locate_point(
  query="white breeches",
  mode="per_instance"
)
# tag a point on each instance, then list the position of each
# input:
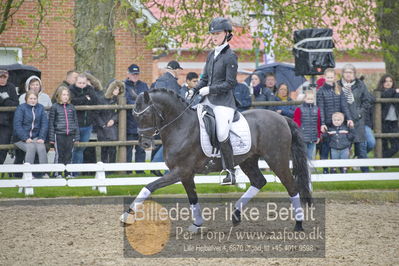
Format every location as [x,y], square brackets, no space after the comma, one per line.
[224,118]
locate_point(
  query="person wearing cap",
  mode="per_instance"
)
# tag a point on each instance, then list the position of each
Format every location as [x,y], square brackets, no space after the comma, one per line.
[8,97]
[134,86]
[169,79]
[216,86]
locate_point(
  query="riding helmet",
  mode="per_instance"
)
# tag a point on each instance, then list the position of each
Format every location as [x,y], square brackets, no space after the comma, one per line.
[220,24]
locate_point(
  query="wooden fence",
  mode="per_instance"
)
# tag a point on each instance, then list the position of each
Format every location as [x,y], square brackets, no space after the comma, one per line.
[123,107]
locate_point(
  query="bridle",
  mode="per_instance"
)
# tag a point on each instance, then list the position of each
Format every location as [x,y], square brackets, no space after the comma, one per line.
[154,127]
[157,113]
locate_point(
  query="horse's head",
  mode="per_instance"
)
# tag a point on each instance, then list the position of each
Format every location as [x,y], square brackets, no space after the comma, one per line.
[155,111]
[149,118]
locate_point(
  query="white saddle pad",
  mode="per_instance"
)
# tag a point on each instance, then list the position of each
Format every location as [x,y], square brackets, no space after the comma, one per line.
[240,136]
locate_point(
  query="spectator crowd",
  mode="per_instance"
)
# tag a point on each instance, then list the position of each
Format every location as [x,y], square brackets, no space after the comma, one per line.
[335,117]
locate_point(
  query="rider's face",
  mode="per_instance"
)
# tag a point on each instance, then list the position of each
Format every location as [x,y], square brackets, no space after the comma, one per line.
[218,38]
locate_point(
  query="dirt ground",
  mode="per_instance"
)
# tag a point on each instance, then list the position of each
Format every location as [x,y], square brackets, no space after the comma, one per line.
[360,230]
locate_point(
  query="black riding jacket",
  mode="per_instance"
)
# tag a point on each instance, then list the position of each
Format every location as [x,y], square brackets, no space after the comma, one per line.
[220,74]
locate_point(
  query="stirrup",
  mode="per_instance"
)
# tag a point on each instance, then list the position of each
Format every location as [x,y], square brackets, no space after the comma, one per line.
[230,179]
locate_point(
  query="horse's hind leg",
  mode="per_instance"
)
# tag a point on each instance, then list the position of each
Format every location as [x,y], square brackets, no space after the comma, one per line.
[279,164]
[251,169]
[167,180]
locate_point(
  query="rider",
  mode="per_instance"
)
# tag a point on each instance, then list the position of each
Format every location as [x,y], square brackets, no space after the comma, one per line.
[216,87]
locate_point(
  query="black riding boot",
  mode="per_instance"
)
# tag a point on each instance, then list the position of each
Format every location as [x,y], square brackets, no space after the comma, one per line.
[228,162]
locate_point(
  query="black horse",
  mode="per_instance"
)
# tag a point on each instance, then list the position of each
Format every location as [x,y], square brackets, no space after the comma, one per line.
[274,138]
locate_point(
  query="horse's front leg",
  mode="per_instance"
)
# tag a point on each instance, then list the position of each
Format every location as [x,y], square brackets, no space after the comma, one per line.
[169,179]
[187,180]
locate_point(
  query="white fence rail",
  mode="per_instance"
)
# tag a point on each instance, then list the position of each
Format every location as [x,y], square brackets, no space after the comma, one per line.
[100,182]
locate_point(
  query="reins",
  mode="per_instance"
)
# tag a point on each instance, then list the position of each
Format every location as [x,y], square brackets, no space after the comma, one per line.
[157,129]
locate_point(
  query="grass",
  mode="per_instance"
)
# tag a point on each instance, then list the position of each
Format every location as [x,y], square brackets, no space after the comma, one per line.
[52,192]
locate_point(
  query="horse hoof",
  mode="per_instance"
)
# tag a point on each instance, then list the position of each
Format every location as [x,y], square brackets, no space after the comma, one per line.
[127,218]
[298,226]
[195,229]
[236,217]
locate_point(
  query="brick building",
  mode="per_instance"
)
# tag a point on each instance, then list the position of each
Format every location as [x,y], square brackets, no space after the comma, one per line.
[57,36]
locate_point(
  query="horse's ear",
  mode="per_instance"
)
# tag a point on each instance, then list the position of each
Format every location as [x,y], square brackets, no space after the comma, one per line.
[146,97]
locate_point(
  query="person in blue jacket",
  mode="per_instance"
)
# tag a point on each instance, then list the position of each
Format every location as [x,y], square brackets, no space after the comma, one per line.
[168,80]
[243,97]
[134,86]
[31,128]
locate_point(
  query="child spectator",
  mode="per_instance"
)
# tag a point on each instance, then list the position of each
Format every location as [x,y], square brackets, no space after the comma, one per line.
[107,120]
[330,99]
[31,128]
[282,95]
[63,127]
[390,115]
[307,116]
[83,94]
[33,83]
[339,139]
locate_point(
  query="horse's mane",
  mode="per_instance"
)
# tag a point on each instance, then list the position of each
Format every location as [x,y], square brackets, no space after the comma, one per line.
[170,92]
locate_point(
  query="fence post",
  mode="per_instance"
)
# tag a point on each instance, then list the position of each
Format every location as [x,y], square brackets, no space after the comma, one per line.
[377,125]
[28,190]
[122,129]
[100,175]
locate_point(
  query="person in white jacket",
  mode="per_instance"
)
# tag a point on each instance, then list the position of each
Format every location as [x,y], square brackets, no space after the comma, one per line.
[33,83]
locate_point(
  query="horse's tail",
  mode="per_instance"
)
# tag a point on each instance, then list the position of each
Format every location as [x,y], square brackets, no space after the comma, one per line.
[300,168]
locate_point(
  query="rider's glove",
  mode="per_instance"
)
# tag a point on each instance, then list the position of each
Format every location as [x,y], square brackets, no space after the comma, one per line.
[204,91]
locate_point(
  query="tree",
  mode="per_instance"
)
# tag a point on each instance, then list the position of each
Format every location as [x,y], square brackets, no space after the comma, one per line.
[388,25]
[363,24]
[94,38]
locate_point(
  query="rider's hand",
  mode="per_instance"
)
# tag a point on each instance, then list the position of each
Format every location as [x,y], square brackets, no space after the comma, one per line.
[351,124]
[323,128]
[204,91]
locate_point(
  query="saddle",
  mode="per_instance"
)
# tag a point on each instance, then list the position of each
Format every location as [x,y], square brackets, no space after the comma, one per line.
[210,125]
